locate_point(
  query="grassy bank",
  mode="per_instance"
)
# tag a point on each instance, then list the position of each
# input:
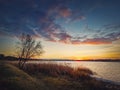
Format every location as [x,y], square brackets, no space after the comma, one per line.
[64,77]
[49,77]
[12,78]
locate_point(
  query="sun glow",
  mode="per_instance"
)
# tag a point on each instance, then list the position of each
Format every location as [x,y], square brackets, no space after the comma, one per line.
[78,52]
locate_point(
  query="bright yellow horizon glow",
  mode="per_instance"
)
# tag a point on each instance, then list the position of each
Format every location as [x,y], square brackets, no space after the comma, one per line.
[55,50]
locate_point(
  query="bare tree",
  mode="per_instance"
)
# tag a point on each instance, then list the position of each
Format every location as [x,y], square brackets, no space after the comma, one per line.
[27,48]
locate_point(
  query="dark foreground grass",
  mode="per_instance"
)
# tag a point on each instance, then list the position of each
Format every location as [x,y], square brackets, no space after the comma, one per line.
[12,78]
[49,77]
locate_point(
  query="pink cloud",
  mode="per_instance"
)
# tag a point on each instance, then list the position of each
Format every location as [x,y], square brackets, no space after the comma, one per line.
[93,41]
[97,41]
[55,34]
[64,12]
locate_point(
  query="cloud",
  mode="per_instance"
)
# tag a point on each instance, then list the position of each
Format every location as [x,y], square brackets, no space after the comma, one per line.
[107,39]
[56,34]
[4,32]
[36,33]
[38,18]
[64,38]
[93,41]
[77,18]
[38,14]
[113,36]
[112,26]
[96,41]
[64,12]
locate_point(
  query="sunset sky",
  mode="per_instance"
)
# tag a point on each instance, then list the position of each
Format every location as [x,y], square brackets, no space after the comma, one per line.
[67,29]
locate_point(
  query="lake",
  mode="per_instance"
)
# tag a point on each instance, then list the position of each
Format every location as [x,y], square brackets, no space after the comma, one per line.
[104,70]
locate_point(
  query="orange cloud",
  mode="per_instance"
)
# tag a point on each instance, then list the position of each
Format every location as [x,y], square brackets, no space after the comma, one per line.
[97,41]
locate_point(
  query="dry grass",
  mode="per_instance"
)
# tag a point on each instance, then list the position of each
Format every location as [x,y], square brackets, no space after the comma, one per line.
[59,70]
[51,77]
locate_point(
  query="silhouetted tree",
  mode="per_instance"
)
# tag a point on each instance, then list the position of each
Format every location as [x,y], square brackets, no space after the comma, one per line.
[27,48]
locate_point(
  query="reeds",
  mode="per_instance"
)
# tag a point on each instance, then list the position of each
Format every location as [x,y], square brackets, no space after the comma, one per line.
[59,70]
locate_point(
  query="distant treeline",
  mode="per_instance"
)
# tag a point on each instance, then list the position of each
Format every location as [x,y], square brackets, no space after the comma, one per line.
[3,57]
[89,60]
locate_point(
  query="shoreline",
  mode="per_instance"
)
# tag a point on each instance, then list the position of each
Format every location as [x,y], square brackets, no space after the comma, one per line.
[97,77]
[94,76]
[65,83]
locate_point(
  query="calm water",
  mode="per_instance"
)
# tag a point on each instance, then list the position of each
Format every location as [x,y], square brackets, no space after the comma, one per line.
[105,70]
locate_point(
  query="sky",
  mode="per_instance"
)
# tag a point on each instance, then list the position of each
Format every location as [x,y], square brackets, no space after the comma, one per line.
[67,29]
